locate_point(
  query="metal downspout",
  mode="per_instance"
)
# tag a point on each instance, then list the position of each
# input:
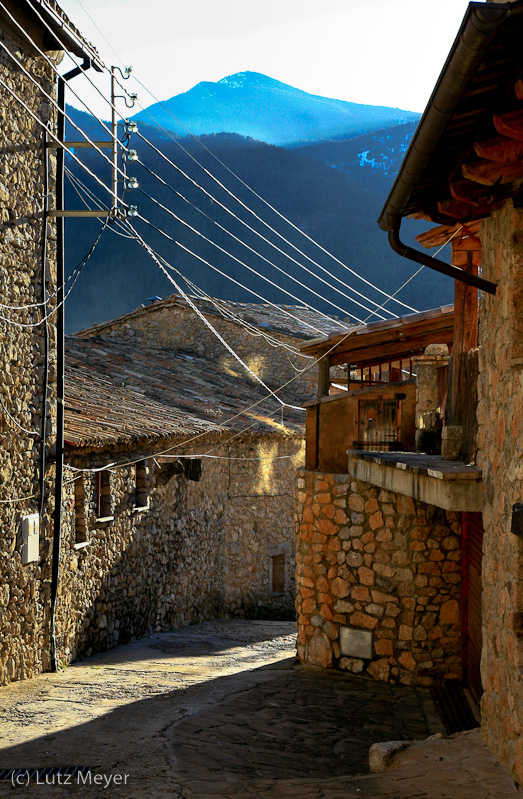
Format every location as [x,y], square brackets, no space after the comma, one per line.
[60,354]
[394,223]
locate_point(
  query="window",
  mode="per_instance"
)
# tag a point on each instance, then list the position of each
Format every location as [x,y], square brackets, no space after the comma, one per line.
[80,517]
[278,573]
[141,497]
[102,495]
[379,423]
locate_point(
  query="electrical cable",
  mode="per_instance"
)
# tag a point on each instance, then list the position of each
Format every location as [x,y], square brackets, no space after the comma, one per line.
[207,323]
[283,238]
[219,271]
[416,273]
[24,430]
[95,199]
[45,379]
[242,263]
[124,176]
[232,195]
[279,250]
[77,271]
[223,310]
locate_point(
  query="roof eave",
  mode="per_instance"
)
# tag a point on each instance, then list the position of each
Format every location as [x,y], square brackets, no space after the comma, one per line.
[67,36]
[479,25]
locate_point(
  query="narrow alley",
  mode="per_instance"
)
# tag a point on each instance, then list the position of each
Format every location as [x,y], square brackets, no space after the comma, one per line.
[219,710]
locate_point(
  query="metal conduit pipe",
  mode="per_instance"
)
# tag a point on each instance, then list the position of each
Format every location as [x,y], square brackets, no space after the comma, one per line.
[60,354]
[394,224]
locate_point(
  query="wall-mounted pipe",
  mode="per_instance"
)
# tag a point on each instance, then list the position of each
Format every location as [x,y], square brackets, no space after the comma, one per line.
[394,224]
[60,354]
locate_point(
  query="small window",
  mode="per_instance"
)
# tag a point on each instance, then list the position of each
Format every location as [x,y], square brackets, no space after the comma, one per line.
[278,573]
[103,495]
[141,497]
[80,517]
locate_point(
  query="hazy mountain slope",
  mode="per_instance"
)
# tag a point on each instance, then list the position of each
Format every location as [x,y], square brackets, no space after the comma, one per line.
[265,109]
[379,150]
[337,209]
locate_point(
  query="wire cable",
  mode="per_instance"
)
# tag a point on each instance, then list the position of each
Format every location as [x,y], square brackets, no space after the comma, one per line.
[219,271]
[295,227]
[226,312]
[234,196]
[78,269]
[243,243]
[208,324]
[224,188]
[242,263]
[416,273]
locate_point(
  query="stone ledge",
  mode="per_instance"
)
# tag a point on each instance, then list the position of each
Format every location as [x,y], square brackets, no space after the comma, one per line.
[450,485]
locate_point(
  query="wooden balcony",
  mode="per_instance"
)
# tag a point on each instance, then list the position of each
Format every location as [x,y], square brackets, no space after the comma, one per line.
[380,417]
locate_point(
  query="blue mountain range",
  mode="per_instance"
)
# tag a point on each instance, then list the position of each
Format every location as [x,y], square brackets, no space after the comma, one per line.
[268,110]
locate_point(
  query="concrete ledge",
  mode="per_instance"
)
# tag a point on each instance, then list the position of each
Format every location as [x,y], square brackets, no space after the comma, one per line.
[450,485]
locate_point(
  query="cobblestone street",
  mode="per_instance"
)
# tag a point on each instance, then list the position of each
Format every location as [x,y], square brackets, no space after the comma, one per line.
[218,711]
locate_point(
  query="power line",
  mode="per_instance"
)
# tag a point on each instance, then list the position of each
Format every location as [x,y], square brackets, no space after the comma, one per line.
[76,272]
[282,216]
[271,263]
[123,173]
[199,291]
[207,323]
[248,187]
[242,263]
[219,271]
[422,267]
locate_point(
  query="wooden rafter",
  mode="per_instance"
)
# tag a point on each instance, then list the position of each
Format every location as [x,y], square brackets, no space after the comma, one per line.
[392,340]
[510,124]
[488,173]
[500,149]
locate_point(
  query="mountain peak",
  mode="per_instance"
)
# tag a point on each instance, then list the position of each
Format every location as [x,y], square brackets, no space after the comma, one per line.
[250,79]
[254,105]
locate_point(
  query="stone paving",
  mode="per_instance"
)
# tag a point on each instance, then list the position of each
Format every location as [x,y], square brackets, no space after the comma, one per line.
[219,711]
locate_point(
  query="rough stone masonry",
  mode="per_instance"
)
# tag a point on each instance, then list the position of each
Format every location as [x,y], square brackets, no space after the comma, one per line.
[374,561]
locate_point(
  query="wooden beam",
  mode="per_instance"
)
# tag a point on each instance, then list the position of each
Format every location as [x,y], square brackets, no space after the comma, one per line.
[510,124]
[456,209]
[391,351]
[501,149]
[469,192]
[489,172]
[437,236]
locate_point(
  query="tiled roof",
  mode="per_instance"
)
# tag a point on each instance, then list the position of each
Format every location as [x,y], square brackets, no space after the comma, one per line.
[116,392]
[303,324]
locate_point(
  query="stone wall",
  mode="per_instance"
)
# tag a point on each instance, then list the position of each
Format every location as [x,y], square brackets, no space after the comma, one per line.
[172,323]
[500,445]
[200,550]
[371,560]
[25,590]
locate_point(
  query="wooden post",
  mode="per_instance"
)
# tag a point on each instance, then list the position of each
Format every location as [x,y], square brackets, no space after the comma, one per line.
[324,377]
[467,255]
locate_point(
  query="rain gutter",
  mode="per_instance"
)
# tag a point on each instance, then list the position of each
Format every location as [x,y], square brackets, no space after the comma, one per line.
[479,26]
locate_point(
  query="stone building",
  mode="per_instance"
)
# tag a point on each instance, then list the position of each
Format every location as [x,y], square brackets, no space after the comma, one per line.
[28,344]
[464,172]
[180,480]
[267,337]
[379,547]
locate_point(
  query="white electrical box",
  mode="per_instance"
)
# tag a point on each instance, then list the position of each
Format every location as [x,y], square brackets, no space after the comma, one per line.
[30,538]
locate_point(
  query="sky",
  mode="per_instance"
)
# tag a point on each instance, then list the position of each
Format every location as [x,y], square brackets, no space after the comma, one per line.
[377,52]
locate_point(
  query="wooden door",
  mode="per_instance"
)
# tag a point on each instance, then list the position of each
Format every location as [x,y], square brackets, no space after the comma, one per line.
[472,554]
